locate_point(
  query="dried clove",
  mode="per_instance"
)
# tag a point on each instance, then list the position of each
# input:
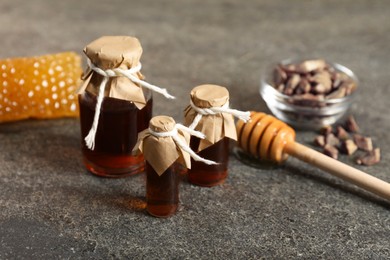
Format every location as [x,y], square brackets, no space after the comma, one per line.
[320,140]
[348,147]
[279,76]
[351,125]
[292,84]
[331,139]
[341,133]
[331,151]
[312,81]
[324,80]
[362,142]
[303,87]
[370,158]
[339,93]
[326,130]
[338,138]
[311,65]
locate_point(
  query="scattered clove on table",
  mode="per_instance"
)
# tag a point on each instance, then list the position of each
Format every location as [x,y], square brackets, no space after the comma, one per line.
[348,147]
[341,133]
[364,143]
[351,125]
[370,158]
[320,140]
[338,139]
[331,151]
[331,139]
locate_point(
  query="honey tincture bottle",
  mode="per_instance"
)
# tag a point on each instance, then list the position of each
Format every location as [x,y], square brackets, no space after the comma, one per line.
[210,114]
[165,147]
[115,105]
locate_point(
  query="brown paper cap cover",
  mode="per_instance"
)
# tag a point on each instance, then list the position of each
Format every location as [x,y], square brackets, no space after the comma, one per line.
[162,152]
[208,95]
[109,52]
[215,127]
[162,124]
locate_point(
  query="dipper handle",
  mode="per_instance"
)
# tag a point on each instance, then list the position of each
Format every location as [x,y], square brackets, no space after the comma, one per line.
[270,139]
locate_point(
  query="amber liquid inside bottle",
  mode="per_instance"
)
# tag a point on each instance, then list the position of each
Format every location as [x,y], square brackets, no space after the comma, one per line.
[162,192]
[209,175]
[117,132]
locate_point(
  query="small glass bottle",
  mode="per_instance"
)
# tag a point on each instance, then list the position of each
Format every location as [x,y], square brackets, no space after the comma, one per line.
[202,174]
[163,156]
[125,108]
[210,114]
[162,191]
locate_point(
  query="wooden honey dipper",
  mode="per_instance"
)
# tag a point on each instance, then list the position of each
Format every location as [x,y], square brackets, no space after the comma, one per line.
[270,139]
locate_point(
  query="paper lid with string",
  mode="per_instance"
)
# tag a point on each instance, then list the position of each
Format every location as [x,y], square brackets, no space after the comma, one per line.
[166,142]
[112,52]
[210,114]
[162,152]
[114,71]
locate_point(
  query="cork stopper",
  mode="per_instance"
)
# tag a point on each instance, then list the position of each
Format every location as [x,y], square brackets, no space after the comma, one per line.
[110,52]
[162,124]
[208,95]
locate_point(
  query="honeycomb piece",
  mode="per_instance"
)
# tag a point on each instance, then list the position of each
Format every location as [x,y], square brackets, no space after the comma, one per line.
[39,87]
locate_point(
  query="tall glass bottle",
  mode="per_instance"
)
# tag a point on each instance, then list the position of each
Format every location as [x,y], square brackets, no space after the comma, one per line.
[163,157]
[109,129]
[210,114]
[119,124]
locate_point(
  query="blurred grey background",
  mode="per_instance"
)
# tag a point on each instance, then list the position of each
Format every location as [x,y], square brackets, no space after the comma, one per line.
[52,208]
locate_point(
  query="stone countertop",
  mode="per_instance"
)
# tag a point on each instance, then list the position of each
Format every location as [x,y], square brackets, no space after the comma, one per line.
[51,207]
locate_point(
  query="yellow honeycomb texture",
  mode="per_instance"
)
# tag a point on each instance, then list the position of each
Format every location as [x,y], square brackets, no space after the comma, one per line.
[39,87]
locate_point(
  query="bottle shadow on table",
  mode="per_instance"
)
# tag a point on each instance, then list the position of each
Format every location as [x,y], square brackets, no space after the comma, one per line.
[105,197]
[49,152]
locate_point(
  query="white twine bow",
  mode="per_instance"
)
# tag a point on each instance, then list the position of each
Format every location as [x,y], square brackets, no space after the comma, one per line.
[243,115]
[181,144]
[117,72]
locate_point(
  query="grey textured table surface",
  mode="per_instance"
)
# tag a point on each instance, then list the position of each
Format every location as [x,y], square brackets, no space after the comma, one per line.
[52,208]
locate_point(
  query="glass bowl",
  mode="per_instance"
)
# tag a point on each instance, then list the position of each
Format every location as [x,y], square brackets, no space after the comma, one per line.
[307,114]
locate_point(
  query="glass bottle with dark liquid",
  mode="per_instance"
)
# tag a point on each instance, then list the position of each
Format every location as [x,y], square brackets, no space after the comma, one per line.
[162,192]
[202,174]
[210,114]
[114,106]
[119,124]
[165,157]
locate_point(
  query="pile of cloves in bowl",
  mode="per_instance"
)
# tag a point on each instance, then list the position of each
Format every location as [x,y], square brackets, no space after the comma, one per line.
[312,80]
